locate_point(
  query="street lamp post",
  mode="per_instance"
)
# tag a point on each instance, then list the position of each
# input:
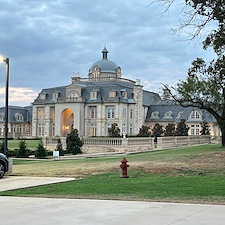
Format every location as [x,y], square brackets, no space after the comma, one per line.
[6,60]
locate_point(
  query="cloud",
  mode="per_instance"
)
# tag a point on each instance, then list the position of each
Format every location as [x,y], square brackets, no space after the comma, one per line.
[47,41]
[18,96]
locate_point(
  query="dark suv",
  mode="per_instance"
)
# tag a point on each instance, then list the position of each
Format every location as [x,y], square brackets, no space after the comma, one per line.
[4,165]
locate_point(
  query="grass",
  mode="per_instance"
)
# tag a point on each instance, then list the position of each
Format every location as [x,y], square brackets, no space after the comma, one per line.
[192,174]
[31,144]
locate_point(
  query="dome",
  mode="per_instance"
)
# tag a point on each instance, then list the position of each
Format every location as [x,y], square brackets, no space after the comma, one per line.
[104,65]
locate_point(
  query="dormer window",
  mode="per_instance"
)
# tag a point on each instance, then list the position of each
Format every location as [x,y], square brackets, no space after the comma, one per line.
[55,95]
[112,94]
[168,114]
[179,114]
[19,117]
[195,115]
[93,94]
[155,114]
[2,116]
[43,95]
[73,94]
[124,93]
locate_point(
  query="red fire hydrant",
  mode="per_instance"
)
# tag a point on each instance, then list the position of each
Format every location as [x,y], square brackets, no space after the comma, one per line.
[124,168]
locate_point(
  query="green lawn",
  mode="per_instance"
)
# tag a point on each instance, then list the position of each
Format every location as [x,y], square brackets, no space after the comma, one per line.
[31,144]
[192,174]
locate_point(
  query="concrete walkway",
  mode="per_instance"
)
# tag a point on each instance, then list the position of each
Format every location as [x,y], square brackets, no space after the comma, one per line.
[36,211]
[11,182]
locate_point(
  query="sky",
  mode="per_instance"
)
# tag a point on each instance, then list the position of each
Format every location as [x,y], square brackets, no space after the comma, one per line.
[49,40]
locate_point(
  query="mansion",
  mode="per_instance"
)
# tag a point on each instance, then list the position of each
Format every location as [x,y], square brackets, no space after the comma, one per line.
[93,104]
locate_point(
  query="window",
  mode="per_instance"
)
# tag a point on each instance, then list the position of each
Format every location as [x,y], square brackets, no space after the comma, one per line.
[124,114]
[124,128]
[41,129]
[179,114]
[112,94]
[124,94]
[155,114]
[52,112]
[168,114]
[73,94]
[93,130]
[41,113]
[195,129]
[19,117]
[195,115]
[55,95]
[43,96]
[131,113]
[131,128]
[93,112]
[110,112]
[93,95]
[1,116]
[108,126]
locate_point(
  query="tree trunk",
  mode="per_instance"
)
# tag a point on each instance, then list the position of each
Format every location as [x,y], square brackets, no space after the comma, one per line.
[222,128]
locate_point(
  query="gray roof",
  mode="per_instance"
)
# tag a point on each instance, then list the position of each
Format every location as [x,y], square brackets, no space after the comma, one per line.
[175,109]
[13,110]
[104,65]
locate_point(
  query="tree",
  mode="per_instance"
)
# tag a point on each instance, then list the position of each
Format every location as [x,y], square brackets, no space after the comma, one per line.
[182,128]
[144,131]
[204,86]
[157,131]
[114,131]
[170,130]
[59,147]
[74,143]
[22,152]
[205,128]
[40,152]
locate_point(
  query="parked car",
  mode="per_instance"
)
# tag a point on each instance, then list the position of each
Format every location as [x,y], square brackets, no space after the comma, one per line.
[4,165]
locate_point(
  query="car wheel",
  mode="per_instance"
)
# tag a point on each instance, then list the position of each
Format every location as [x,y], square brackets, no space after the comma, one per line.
[2,170]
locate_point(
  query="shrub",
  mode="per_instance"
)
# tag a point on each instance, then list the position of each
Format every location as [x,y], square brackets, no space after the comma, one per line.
[74,143]
[40,152]
[22,152]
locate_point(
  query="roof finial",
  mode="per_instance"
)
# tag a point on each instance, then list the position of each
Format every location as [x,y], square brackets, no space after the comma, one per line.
[104,51]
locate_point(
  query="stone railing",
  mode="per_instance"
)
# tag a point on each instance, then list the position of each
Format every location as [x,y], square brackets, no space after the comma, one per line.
[122,145]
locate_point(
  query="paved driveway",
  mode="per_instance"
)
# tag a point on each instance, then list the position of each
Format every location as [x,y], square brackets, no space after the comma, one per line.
[41,211]
[11,182]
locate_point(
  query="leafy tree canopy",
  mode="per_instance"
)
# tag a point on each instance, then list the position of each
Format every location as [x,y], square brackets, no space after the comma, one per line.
[144,131]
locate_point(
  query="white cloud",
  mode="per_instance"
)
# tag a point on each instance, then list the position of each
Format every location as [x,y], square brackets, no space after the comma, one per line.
[18,96]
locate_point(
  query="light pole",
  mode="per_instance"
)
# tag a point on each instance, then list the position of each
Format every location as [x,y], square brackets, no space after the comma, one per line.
[6,60]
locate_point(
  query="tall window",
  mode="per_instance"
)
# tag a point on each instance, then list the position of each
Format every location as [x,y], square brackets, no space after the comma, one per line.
[131,113]
[52,112]
[93,130]
[124,128]
[131,128]
[93,112]
[110,112]
[41,129]
[108,126]
[41,113]
[124,114]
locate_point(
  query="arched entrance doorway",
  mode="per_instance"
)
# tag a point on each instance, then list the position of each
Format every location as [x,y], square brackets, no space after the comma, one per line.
[67,122]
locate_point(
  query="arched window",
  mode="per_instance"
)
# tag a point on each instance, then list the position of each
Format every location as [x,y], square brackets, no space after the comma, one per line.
[179,114]
[73,94]
[1,116]
[168,114]
[155,114]
[195,115]
[19,117]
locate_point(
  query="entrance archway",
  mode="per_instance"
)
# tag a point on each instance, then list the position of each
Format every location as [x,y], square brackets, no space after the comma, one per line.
[67,122]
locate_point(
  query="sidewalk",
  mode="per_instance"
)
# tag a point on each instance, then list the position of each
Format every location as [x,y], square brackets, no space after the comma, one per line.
[36,211]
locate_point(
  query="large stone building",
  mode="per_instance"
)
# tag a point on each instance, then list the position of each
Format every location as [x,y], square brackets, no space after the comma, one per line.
[92,104]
